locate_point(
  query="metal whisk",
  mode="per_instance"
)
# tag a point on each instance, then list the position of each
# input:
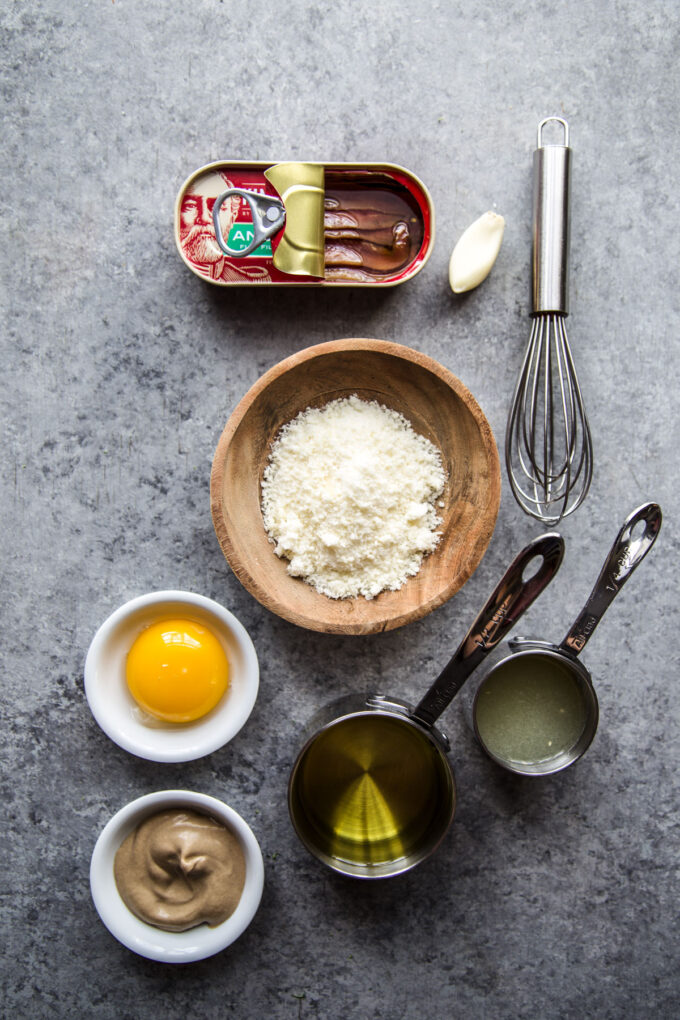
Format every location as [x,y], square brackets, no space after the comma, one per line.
[548,449]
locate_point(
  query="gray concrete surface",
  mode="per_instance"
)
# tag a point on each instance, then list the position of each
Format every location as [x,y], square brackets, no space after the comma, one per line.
[548,899]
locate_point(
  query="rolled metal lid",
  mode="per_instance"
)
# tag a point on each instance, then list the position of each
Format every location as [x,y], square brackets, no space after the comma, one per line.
[300,251]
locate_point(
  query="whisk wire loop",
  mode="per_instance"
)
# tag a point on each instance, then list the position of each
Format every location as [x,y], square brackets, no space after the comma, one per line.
[548,443]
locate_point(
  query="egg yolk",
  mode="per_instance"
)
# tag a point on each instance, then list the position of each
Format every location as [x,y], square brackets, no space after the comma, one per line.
[177,670]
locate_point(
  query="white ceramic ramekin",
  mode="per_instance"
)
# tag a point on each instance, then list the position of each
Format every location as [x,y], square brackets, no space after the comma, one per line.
[145,939]
[113,706]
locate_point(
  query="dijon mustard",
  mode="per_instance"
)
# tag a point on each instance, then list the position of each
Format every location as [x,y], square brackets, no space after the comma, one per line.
[179,869]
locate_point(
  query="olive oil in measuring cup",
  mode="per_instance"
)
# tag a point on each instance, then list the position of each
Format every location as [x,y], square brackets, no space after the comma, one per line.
[369,789]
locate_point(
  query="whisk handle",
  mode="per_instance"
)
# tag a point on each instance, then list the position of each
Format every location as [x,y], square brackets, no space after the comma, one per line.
[550,259]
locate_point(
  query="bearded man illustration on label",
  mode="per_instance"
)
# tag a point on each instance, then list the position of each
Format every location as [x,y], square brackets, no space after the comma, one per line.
[197,234]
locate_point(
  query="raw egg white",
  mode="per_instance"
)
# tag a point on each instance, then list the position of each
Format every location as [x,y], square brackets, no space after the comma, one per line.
[177,670]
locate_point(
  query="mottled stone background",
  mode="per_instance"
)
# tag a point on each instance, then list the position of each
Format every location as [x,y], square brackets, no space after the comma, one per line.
[548,899]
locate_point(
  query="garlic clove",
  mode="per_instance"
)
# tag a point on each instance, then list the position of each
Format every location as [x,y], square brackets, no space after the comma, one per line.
[476,252]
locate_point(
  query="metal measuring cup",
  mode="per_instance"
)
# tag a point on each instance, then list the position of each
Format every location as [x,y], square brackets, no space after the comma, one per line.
[372,792]
[517,705]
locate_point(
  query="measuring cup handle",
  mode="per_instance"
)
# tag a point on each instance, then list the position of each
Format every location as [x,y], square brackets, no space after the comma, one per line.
[505,606]
[625,555]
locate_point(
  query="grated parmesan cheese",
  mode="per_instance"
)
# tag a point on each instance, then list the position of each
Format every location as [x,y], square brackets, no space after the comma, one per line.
[348,497]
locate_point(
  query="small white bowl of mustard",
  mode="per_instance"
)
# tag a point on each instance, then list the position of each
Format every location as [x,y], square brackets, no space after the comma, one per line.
[149,940]
[107,685]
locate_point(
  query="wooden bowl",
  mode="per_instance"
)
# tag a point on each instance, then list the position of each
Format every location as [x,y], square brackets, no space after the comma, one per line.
[437,405]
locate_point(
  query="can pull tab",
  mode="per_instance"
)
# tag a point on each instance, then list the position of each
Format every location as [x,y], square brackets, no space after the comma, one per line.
[268,213]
